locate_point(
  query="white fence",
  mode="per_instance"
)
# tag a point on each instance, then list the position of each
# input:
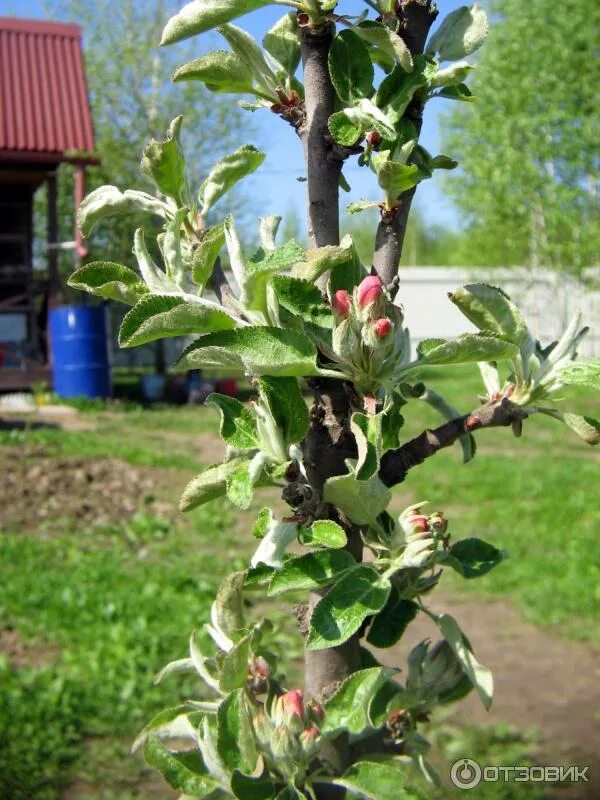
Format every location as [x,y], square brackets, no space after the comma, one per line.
[547,299]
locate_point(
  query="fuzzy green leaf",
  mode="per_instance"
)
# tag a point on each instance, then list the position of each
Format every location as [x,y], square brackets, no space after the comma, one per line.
[183,771]
[586,428]
[235,739]
[287,406]
[220,71]
[462,32]
[283,43]
[164,162]
[226,173]
[581,373]
[389,625]
[158,316]
[311,570]
[238,424]
[395,178]
[262,266]
[378,34]
[396,90]
[208,485]
[361,501]
[379,780]
[171,723]
[233,665]
[473,557]
[109,201]
[324,259]
[480,676]
[246,47]
[348,707]
[324,533]
[465,348]
[490,310]
[360,593]
[350,67]
[252,787]
[256,350]
[202,15]
[206,254]
[110,281]
[457,92]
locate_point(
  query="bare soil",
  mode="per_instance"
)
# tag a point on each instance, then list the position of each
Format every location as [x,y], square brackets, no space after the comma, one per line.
[39,489]
[541,681]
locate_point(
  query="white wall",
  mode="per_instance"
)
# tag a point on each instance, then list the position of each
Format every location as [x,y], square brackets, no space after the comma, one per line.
[547,300]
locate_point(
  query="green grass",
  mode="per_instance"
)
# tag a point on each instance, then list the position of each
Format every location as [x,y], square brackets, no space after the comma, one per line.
[100,611]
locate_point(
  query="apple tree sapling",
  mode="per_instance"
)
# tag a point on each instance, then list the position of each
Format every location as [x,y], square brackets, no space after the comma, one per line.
[291,318]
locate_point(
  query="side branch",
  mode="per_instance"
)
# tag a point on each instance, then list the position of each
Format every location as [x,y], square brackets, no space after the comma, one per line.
[322,166]
[497,414]
[416,18]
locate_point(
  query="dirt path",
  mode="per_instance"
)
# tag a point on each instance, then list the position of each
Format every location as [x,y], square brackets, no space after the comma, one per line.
[541,681]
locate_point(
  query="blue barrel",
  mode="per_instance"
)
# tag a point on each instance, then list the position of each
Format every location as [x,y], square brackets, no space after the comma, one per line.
[80,366]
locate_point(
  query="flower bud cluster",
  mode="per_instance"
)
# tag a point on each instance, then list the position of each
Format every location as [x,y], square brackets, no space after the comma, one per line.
[368,337]
[288,732]
[434,671]
[424,536]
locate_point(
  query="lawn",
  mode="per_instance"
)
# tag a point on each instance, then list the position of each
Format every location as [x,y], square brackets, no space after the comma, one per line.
[93,601]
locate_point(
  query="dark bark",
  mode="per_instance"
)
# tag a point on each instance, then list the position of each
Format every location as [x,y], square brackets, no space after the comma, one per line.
[493,414]
[322,165]
[416,18]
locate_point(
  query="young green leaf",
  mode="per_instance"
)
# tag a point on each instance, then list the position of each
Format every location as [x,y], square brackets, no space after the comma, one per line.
[226,173]
[462,32]
[378,34]
[586,428]
[382,779]
[238,424]
[324,259]
[287,406]
[164,162]
[110,281]
[171,723]
[324,533]
[202,15]
[267,231]
[348,707]
[240,486]
[235,738]
[459,91]
[395,178]
[465,348]
[183,771]
[480,676]
[358,594]
[581,373]
[154,278]
[273,545]
[350,67]
[108,201]
[389,625]
[233,665]
[396,90]
[283,43]
[256,350]
[206,254]
[473,557]
[208,485]
[311,571]
[252,787]
[361,501]
[159,316]
[261,267]
[491,310]
[219,71]
[251,54]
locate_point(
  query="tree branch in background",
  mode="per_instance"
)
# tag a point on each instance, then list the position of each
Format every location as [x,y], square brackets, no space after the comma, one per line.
[493,414]
[416,18]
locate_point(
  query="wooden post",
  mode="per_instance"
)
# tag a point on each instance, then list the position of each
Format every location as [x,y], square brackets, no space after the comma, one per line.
[53,277]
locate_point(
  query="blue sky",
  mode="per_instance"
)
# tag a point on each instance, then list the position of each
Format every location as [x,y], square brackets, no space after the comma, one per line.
[278,195]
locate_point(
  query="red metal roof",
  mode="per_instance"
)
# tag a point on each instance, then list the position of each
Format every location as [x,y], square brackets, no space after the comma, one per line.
[44,107]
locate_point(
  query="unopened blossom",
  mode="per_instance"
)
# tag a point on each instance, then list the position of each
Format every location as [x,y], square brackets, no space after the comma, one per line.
[369,290]
[341,302]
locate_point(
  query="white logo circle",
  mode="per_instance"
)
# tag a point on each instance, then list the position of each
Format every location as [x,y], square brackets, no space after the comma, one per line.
[465,773]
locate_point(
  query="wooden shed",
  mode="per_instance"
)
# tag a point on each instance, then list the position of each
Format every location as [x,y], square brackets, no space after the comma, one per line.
[45,120]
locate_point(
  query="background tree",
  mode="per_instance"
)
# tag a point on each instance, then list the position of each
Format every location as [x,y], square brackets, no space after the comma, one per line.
[133,100]
[528,147]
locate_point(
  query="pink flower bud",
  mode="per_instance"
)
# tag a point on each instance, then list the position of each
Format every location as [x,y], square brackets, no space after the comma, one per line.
[316,710]
[417,523]
[369,290]
[341,302]
[292,703]
[382,327]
